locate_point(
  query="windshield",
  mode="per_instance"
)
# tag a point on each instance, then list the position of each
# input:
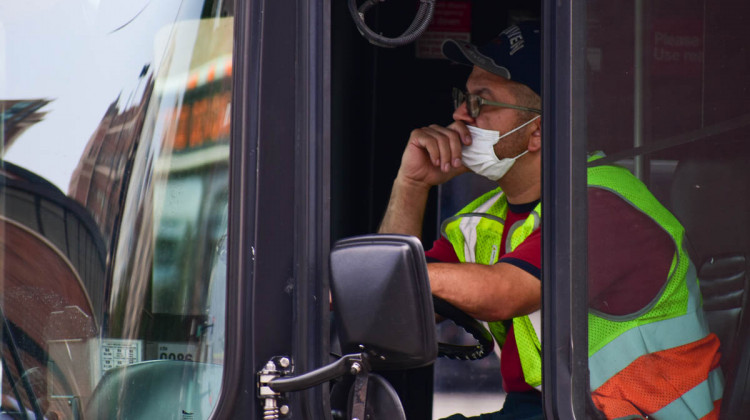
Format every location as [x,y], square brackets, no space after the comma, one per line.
[113,207]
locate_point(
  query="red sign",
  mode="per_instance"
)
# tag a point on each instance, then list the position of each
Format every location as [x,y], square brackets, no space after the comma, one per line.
[452,19]
[676,47]
[451,16]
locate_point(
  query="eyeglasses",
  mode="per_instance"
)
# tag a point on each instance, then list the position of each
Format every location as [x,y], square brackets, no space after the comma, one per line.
[475,102]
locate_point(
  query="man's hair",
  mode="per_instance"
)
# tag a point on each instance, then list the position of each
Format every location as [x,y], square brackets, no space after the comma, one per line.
[525,97]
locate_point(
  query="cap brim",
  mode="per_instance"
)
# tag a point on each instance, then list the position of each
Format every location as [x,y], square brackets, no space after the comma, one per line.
[453,51]
[456,52]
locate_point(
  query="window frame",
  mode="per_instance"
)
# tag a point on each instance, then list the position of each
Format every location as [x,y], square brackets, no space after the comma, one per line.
[564,221]
[279,238]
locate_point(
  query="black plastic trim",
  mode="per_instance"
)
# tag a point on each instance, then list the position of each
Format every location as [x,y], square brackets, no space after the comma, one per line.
[564,226]
[313,192]
[238,395]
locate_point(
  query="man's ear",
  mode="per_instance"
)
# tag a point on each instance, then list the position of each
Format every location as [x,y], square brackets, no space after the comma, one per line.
[535,139]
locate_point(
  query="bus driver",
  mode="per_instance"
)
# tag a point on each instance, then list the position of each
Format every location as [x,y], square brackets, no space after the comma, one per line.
[650,352]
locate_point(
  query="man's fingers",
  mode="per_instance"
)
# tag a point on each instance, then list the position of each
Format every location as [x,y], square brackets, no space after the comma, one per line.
[433,155]
[443,143]
[449,144]
[426,141]
[460,128]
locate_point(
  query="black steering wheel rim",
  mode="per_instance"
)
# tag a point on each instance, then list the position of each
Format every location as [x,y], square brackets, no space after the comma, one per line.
[485,342]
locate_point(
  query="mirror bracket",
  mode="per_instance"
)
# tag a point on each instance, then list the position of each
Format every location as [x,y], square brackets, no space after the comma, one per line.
[274,379]
[273,405]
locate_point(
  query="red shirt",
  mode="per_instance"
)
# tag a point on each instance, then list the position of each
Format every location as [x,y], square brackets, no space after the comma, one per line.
[629,256]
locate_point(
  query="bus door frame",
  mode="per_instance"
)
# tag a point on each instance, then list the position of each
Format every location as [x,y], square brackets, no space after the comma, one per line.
[278,202]
[564,220]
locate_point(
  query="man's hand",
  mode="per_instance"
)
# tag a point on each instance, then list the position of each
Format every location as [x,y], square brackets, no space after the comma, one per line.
[433,154]
[432,157]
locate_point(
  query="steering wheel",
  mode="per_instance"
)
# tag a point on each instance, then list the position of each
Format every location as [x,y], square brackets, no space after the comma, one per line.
[485,342]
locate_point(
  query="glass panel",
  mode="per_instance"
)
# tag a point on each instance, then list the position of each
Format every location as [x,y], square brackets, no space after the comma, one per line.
[669,236]
[113,207]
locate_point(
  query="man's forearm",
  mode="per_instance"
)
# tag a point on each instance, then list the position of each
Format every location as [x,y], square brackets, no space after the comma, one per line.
[486,292]
[405,211]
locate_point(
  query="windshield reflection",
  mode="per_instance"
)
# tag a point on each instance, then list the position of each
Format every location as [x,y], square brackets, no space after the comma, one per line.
[113,209]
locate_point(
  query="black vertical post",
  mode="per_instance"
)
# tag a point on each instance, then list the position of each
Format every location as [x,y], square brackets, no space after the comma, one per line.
[312,188]
[564,218]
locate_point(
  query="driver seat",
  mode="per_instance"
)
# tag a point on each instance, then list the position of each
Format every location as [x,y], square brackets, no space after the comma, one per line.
[711,197]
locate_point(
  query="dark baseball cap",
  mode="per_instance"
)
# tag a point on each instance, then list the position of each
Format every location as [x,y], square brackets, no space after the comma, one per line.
[514,54]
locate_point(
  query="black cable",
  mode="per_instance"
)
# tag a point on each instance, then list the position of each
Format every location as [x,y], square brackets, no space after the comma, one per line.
[416,28]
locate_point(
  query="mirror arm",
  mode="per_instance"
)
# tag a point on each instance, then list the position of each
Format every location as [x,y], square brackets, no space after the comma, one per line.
[348,364]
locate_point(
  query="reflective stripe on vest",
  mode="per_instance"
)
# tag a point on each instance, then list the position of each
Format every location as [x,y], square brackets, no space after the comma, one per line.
[485,217]
[650,338]
[685,380]
[692,404]
[488,211]
[468,226]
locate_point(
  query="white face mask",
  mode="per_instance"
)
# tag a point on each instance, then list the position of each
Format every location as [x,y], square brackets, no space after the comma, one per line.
[480,156]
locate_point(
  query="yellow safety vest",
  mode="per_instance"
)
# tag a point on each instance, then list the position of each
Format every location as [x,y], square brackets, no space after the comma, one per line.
[673,319]
[476,233]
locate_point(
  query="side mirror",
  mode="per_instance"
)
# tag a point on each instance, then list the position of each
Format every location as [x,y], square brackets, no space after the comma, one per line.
[384,317]
[382,301]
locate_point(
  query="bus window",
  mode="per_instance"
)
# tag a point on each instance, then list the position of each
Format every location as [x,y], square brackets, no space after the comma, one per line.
[113,208]
[668,207]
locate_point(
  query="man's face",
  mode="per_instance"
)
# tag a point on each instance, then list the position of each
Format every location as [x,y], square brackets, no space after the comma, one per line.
[495,88]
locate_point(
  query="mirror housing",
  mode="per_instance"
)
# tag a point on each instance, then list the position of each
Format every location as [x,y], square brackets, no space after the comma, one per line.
[382,303]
